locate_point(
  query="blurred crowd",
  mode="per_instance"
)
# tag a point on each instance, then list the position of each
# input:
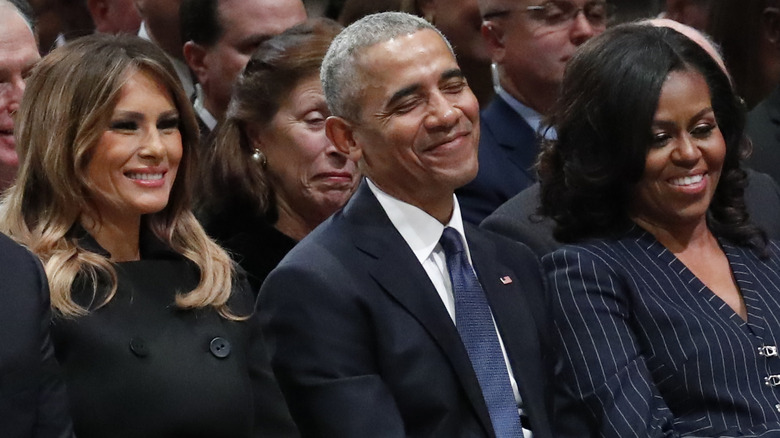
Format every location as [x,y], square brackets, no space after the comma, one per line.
[388,218]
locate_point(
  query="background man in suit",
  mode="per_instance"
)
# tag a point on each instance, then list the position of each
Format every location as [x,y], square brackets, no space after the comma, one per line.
[114,16]
[32,396]
[220,36]
[371,318]
[529,41]
[160,25]
[18,55]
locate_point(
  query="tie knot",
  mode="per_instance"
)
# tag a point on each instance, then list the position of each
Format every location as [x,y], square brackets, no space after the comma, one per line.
[450,241]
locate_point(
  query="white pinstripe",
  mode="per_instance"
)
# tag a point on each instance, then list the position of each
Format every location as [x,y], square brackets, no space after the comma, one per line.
[653,352]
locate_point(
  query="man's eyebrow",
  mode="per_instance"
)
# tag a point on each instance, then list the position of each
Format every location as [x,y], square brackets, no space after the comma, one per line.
[452,73]
[254,40]
[403,92]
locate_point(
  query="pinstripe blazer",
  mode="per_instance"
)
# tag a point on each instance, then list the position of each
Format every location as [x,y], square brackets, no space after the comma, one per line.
[653,352]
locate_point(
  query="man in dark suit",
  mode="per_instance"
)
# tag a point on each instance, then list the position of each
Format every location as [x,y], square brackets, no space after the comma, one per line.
[219,37]
[32,396]
[529,45]
[366,318]
[763,128]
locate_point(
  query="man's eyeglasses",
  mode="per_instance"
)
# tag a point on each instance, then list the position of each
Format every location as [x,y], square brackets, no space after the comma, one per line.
[556,13]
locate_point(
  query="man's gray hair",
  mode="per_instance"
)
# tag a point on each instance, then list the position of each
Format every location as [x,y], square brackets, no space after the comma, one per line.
[341,80]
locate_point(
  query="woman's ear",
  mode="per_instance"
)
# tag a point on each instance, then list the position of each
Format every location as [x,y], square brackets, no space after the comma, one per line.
[341,133]
[770,23]
[256,139]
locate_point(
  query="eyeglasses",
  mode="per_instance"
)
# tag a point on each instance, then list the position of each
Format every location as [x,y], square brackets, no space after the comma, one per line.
[558,13]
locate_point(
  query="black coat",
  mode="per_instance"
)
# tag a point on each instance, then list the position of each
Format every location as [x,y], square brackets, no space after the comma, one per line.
[32,396]
[248,236]
[141,367]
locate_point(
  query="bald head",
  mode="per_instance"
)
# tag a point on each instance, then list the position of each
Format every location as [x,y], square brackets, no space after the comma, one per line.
[18,55]
[21,8]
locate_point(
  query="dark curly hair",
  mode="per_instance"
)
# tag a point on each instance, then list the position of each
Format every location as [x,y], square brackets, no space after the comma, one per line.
[603,122]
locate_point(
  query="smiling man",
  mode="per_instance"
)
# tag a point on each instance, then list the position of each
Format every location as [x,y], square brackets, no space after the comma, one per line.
[18,55]
[394,318]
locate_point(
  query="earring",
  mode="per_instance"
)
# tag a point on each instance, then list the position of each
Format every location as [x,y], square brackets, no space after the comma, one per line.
[259,157]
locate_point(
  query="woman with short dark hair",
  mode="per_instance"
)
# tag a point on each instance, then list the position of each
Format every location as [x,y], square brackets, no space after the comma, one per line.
[667,299]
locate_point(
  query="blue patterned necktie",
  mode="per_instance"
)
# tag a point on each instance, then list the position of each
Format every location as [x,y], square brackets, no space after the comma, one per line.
[475,325]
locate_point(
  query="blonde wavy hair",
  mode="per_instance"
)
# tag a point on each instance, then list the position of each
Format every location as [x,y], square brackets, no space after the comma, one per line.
[67,105]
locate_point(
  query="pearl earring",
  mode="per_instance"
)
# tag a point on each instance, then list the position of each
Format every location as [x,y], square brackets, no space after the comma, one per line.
[259,157]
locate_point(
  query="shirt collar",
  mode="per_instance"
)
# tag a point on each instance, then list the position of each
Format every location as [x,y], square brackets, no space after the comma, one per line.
[420,230]
[201,110]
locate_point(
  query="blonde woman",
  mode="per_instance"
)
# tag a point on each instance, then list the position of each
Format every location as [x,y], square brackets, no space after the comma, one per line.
[153,326]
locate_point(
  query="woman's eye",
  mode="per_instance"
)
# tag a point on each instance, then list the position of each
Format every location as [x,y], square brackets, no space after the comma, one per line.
[660,139]
[123,125]
[703,130]
[166,124]
[314,118]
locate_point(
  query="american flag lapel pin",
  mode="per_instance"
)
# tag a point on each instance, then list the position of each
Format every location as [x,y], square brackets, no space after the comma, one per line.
[506,279]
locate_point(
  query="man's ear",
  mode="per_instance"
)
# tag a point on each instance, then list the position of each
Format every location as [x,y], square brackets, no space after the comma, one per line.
[427,9]
[493,35]
[98,9]
[770,23]
[341,133]
[195,56]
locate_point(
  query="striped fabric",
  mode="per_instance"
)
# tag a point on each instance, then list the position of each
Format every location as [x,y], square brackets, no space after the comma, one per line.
[653,352]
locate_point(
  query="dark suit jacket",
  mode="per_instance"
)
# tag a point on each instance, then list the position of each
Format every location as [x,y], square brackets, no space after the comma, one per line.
[507,151]
[363,346]
[654,352]
[32,396]
[517,219]
[763,128]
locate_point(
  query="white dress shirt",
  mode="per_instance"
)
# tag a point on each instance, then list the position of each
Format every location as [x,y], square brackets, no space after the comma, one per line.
[422,232]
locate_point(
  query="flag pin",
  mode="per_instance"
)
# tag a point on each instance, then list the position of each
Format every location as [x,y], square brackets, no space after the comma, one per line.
[506,279]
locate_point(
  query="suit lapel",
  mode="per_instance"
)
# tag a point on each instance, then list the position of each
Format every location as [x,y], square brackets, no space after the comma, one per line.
[505,288]
[395,268]
[773,106]
[512,132]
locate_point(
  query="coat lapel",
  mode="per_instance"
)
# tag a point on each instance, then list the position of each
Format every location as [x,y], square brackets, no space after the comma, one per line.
[393,265]
[513,133]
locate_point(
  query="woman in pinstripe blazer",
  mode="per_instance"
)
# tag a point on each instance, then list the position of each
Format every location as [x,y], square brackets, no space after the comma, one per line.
[667,300]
